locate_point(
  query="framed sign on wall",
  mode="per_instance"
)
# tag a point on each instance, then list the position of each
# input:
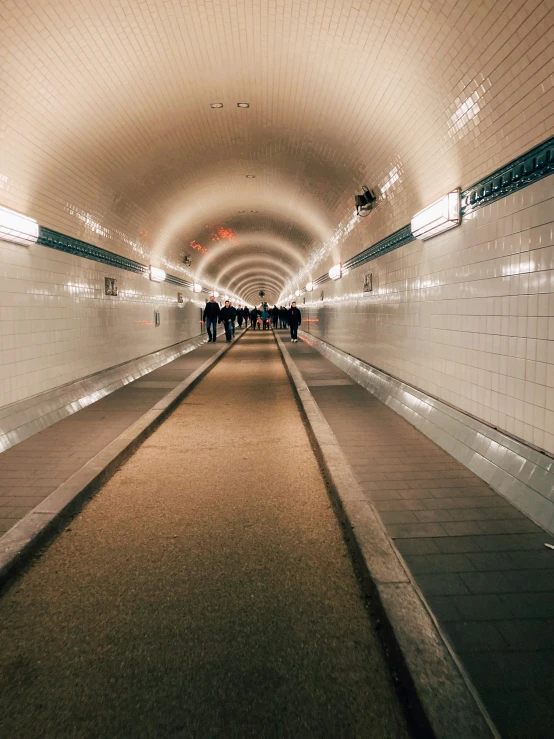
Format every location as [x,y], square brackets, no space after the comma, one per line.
[368,282]
[110,286]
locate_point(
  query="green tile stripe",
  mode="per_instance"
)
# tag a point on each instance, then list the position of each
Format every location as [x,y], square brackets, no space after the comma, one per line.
[519,173]
[55,240]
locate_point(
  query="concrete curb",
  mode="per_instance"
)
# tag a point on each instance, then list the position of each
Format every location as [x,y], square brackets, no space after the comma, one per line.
[24,539]
[443,702]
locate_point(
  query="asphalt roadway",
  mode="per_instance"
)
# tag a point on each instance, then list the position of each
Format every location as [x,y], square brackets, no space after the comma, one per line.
[205,591]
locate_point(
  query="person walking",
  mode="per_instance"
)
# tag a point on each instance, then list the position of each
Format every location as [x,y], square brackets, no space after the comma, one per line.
[246,314]
[275,316]
[211,318]
[226,318]
[234,318]
[282,317]
[240,316]
[295,319]
[266,319]
[253,318]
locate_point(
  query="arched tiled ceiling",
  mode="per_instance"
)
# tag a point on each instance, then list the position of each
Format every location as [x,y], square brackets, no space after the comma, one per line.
[108,135]
[258,276]
[238,267]
[256,284]
[252,242]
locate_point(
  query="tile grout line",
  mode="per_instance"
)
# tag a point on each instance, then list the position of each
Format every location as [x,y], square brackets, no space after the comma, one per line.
[429,661]
[37,527]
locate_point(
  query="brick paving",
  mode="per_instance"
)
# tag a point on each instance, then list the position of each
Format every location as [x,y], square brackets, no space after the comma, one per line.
[33,469]
[480,562]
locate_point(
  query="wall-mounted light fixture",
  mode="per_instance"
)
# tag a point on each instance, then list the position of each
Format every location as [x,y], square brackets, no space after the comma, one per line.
[156,274]
[215,294]
[297,293]
[17,228]
[196,288]
[441,216]
[335,273]
[309,287]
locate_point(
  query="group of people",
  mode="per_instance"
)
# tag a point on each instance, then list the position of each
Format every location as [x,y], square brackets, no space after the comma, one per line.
[229,316]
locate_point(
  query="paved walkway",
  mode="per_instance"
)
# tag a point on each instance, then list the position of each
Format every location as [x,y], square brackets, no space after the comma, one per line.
[205,591]
[481,564]
[33,469]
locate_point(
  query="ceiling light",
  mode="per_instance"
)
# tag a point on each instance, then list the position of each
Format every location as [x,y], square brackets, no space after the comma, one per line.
[253,211]
[17,228]
[309,287]
[335,273]
[216,105]
[441,216]
[215,294]
[243,105]
[297,293]
[197,288]
[242,211]
[250,176]
[156,274]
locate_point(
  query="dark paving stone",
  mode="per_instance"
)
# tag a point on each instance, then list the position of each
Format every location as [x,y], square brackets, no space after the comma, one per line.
[410,531]
[442,584]
[530,605]
[531,580]
[481,607]
[532,634]
[443,607]
[487,582]
[475,636]
[416,546]
[435,563]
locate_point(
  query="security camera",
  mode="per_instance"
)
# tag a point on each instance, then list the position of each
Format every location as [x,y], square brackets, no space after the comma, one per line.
[261,294]
[365,201]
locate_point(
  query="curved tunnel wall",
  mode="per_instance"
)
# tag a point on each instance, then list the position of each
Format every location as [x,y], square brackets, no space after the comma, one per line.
[465,316]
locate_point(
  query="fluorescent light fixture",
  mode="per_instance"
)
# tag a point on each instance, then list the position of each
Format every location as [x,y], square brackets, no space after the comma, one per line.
[216,105]
[441,216]
[297,293]
[243,105]
[215,294]
[335,273]
[250,176]
[17,228]
[309,287]
[156,274]
[197,288]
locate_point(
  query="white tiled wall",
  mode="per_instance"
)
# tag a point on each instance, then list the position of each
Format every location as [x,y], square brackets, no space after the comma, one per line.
[467,316]
[57,325]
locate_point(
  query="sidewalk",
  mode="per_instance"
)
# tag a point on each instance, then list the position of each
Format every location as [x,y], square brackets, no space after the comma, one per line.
[33,469]
[480,563]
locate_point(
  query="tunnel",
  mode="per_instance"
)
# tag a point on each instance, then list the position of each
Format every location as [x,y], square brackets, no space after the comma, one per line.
[276,369]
